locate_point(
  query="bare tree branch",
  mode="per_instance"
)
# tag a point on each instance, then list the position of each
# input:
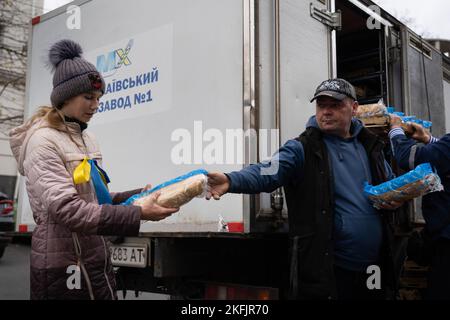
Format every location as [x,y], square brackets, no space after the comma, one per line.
[10,118]
[15,17]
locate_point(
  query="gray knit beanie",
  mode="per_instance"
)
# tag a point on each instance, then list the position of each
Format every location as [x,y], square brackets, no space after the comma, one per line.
[73,75]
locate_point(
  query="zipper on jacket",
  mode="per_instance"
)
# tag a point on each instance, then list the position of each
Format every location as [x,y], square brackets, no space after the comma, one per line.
[77,246]
[361,158]
[104,270]
[104,243]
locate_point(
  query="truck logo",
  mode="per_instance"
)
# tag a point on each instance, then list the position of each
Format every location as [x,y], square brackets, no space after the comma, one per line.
[109,63]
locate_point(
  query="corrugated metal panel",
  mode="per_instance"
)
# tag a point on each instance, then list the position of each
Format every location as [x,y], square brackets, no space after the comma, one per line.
[447,105]
[426,87]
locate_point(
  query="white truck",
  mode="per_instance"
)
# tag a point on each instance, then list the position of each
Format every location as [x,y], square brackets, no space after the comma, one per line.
[220,84]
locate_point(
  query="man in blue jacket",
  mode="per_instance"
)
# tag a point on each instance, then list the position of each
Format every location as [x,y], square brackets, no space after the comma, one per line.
[335,232]
[435,206]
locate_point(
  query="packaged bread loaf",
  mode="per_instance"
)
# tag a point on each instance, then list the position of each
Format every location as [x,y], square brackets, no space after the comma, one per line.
[176,192]
[373,114]
[418,182]
[371,110]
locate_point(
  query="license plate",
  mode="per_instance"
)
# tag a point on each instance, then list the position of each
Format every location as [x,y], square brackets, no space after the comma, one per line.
[129,256]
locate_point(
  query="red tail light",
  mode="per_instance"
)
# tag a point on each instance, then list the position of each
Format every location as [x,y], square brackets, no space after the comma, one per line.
[6,206]
[237,227]
[233,292]
[7,210]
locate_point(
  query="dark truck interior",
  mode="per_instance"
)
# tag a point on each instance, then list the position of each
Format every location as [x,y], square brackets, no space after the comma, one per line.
[362,60]
[361,57]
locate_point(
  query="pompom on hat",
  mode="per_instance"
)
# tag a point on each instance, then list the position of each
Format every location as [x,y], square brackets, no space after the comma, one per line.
[73,75]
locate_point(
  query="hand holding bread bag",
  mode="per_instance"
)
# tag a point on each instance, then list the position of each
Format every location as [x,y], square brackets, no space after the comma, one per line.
[176,192]
[418,182]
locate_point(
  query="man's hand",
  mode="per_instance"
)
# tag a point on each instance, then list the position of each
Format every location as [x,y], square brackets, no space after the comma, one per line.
[391,205]
[395,121]
[420,134]
[218,185]
[146,188]
[154,212]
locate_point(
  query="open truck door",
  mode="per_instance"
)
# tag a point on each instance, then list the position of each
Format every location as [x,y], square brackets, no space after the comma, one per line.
[295,53]
[369,55]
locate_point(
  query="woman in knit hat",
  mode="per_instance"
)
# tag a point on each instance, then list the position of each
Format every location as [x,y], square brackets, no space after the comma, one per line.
[72,211]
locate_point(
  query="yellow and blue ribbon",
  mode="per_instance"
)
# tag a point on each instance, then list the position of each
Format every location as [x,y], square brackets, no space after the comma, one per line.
[89,169]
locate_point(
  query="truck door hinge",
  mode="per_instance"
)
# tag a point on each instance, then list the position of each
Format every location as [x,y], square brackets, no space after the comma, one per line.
[394,54]
[331,19]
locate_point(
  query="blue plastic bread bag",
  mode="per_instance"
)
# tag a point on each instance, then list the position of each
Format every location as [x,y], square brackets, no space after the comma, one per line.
[185,177]
[418,182]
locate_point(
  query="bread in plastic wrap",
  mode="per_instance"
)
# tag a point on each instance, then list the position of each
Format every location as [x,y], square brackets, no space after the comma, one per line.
[178,194]
[373,114]
[418,182]
[371,110]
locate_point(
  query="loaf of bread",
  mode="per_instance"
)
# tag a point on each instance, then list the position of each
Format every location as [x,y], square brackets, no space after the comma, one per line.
[371,110]
[409,191]
[418,182]
[177,194]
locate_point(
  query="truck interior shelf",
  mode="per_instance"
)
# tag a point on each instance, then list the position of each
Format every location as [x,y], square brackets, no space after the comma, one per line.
[371,54]
[373,99]
[373,75]
[361,57]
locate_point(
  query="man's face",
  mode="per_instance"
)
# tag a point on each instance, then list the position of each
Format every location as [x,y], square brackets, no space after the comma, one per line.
[334,116]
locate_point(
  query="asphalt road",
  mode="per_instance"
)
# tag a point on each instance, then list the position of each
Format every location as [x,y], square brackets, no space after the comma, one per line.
[15,273]
[15,276]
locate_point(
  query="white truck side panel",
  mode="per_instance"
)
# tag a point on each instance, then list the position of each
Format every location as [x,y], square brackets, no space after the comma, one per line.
[196,46]
[304,65]
[8,165]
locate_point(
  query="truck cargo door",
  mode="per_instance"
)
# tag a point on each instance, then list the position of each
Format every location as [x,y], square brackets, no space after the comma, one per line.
[423,74]
[361,50]
[394,69]
[294,56]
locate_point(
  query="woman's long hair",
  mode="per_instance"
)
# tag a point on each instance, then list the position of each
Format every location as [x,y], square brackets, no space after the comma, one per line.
[54,119]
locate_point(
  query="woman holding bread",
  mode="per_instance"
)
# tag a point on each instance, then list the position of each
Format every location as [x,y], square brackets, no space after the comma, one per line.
[73,211]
